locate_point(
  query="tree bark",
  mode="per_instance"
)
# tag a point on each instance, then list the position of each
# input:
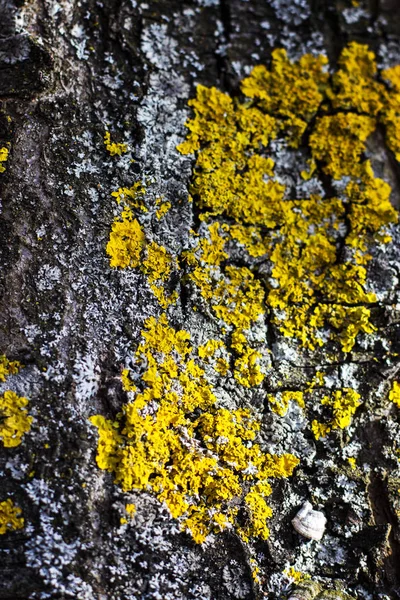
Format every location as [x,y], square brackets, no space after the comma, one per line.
[69,71]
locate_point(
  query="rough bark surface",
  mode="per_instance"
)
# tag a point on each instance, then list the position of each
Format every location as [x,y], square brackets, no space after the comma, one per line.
[70,69]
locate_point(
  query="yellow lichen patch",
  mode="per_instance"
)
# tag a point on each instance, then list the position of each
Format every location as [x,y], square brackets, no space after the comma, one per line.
[132,197]
[126,242]
[279,402]
[112,147]
[354,84]
[10,519]
[230,177]
[163,298]
[157,263]
[393,77]
[162,208]
[128,247]
[14,419]
[127,383]
[312,287]
[209,348]
[394,394]
[222,366]
[343,404]
[236,298]
[249,237]
[291,91]
[197,466]
[172,439]
[130,510]
[212,249]
[8,367]
[338,141]
[247,369]
[349,321]
[320,429]
[370,210]
[352,462]
[304,267]
[391,112]
[3,158]
[317,381]
[255,570]
[296,576]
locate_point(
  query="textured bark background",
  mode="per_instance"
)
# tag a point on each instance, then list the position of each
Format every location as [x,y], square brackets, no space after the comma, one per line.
[69,69]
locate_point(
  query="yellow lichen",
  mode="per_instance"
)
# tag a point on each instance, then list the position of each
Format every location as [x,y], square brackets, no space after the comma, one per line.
[163,298]
[14,419]
[128,247]
[10,519]
[222,366]
[280,402]
[197,466]
[249,237]
[312,287]
[394,394]
[126,242]
[352,462]
[212,249]
[354,84]
[320,429]
[162,208]
[230,176]
[112,147]
[291,91]
[209,348]
[391,112]
[255,570]
[132,197]
[130,509]
[296,576]
[338,142]
[157,263]
[127,383]
[343,404]
[203,461]
[3,158]
[8,367]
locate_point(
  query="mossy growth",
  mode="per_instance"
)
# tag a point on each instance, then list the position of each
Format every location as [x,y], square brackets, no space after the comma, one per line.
[10,517]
